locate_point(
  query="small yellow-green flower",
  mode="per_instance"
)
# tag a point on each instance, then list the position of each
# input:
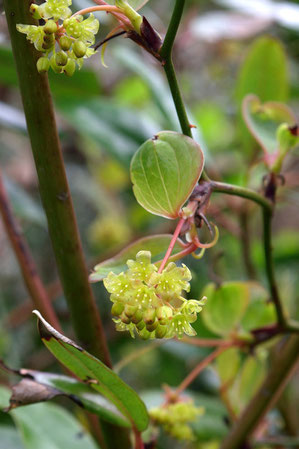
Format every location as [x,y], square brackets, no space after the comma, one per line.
[65,41]
[176,418]
[150,303]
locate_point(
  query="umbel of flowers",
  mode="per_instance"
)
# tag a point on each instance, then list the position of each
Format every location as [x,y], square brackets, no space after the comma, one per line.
[176,419]
[64,40]
[150,303]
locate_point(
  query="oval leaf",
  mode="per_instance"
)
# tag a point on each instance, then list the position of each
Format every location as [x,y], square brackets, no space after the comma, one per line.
[225,307]
[156,244]
[95,373]
[164,172]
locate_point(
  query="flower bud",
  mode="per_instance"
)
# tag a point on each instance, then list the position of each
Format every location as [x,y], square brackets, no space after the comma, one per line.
[50,27]
[144,334]
[65,43]
[125,319]
[34,11]
[160,331]
[130,310]
[137,317]
[61,58]
[149,316]
[117,309]
[164,314]
[48,41]
[56,68]
[140,325]
[79,49]
[152,327]
[43,65]
[69,70]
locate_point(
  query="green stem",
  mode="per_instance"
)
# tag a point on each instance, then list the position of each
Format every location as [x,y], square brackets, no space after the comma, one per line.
[53,185]
[280,372]
[166,55]
[268,208]
[267,217]
[172,30]
[243,192]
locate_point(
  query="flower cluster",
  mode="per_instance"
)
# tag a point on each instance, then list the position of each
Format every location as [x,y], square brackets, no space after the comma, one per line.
[65,40]
[151,303]
[176,418]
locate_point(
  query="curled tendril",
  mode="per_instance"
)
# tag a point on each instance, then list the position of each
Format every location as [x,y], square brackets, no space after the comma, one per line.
[197,242]
[200,255]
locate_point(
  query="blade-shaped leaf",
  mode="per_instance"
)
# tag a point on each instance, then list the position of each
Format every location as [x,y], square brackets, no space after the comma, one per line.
[263,121]
[225,306]
[156,244]
[95,373]
[37,386]
[164,171]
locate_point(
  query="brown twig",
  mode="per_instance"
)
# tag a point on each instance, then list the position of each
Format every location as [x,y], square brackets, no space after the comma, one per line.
[198,369]
[35,287]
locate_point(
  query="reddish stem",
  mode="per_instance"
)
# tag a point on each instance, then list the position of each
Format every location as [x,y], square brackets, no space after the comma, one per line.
[207,342]
[199,368]
[172,243]
[22,252]
[138,439]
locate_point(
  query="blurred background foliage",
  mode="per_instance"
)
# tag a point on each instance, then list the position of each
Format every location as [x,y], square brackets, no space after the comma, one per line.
[225,49]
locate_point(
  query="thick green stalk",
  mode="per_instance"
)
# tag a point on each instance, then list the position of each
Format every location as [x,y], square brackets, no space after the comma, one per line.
[166,55]
[266,397]
[53,185]
[56,198]
[242,192]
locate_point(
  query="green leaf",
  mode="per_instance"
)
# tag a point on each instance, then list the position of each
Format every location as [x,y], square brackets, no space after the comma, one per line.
[156,244]
[259,76]
[252,375]
[94,372]
[263,121]
[260,312]
[37,386]
[164,172]
[227,365]
[225,307]
[48,426]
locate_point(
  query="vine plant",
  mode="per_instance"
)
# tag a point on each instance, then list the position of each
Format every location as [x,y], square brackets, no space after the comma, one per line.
[169,180]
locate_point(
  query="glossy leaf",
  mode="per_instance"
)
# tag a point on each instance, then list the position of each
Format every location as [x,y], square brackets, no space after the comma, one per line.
[164,172]
[156,244]
[263,121]
[38,386]
[94,372]
[225,307]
